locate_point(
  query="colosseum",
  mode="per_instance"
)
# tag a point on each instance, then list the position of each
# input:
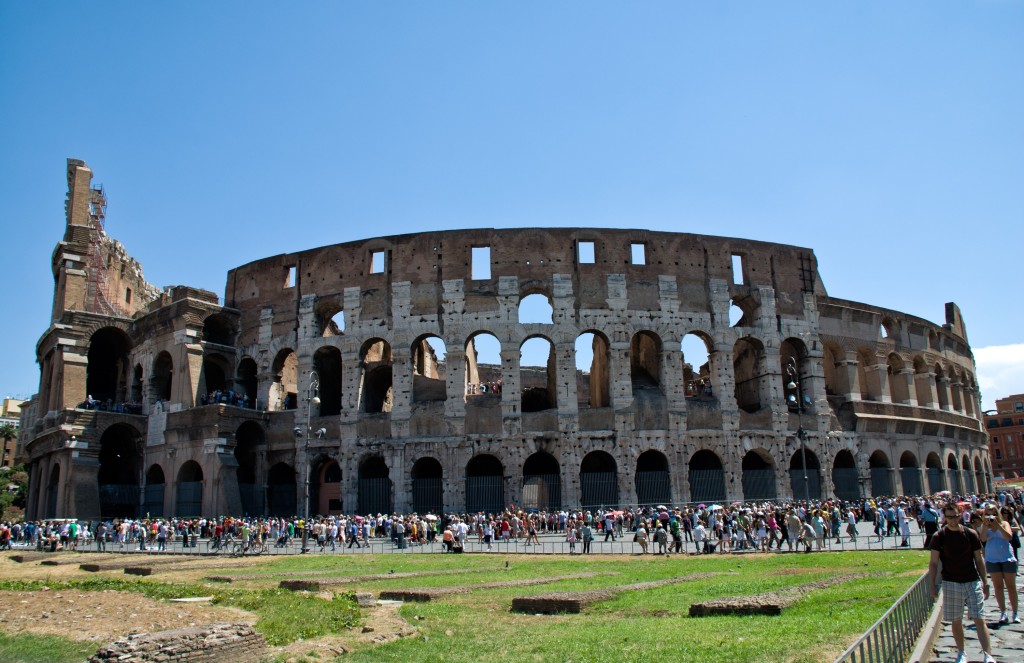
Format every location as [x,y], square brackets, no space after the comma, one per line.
[471,369]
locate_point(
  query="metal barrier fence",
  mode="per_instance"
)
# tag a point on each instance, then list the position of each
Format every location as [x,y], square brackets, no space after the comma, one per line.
[892,638]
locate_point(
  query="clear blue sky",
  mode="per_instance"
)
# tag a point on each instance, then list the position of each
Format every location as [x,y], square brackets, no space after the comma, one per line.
[887,136]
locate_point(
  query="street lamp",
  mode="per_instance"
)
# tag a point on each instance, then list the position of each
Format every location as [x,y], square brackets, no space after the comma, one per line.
[311,399]
[796,400]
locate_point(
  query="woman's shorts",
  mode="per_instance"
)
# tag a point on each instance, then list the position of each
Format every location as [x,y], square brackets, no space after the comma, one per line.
[1002,567]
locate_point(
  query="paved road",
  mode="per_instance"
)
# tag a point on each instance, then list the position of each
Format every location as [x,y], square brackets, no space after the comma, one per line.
[549,543]
[1007,639]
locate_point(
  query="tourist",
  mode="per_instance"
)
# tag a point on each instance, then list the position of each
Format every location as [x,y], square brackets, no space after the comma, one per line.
[964,581]
[1000,560]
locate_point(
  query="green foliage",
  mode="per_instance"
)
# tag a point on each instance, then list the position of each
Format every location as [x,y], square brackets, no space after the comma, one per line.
[12,501]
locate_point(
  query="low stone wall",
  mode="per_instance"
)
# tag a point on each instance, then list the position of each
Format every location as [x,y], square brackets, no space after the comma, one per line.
[238,643]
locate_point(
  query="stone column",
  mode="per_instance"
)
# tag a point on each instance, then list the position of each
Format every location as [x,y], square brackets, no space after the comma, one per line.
[848,367]
[942,389]
[878,382]
[906,377]
[512,389]
[925,382]
[723,385]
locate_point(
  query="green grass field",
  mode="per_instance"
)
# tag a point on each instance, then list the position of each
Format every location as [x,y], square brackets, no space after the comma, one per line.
[646,625]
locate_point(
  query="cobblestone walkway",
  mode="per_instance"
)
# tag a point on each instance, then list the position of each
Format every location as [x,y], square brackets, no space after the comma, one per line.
[1007,639]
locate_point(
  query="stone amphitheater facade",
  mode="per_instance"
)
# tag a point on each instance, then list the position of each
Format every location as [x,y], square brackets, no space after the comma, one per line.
[359,365]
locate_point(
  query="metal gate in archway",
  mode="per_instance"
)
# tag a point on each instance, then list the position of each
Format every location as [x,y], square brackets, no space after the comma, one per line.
[846,483]
[189,501]
[911,478]
[428,495]
[881,482]
[707,485]
[485,494]
[802,487]
[599,489]
[375,495]
[759,485]
[653,487]
[153,500]
[252,498]
[542,491]
[119,500]
[936,480]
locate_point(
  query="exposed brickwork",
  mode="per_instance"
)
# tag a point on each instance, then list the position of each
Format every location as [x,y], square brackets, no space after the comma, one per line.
[769,603]
[238,643]
[574,602]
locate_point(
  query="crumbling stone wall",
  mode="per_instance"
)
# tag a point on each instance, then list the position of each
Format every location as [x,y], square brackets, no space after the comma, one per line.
[239,643]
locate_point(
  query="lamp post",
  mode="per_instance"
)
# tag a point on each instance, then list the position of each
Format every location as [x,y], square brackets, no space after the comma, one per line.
[796,400]
[311,399]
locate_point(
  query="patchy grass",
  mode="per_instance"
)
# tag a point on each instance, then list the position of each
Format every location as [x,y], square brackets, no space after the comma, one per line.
[282,616]
[24,648]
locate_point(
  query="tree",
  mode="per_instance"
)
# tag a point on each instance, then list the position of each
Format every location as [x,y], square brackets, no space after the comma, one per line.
[7,432]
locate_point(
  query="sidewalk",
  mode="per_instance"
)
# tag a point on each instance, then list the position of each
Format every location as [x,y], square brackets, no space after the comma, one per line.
[1007,639]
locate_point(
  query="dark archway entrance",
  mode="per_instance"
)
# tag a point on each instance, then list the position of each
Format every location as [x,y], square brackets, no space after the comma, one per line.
[845,478]
[281,490]
[374,486]
[936,476]
[707,477]
[248,448]
[881,477]
[325,488]
[599,480]
[485,485]
[107,371]
[51,492]
[805,483]
[153,502]
[653,483]
[910,474]
[758,476]
[189,500]
[427,486]
[120,472]
[542,482]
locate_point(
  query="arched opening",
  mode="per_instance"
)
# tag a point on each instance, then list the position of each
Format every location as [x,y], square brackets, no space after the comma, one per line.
[592,377]
[215,372]
[120,470]
[281,490]
[333,324]
[793,356]
[535,308]
[247,381]
[427,486]
[52,489]
[899,390]
[922,383]
[284,390]
[845,478]
[956,482]
[537,375]
[249,447]
[737,316]
[968,475]
[327,364]
[881,476]
[163,377]
[189,490]
[956,393]
[758,476]
[107,369]
[707,477]
[748,371]
[697,366]
[599,480]
[374,486]
[485,486]
[376,393]
[428,365]
[867,376]
[542,482]
[805,476]
[834,380]
[887,328]
[483,367]
[219,329]
[910,474]
[936,475]
[136,399]
[153,502]
[652,479]
[325,488]
[645,361]
[979,477]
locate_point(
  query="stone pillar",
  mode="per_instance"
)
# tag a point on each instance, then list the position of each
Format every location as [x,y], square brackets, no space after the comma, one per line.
[512,389]
[925,382]
[565,374]
[848,367]
[723,385]
[956,401]
[455,383]
[942,389]
[878,382]
[906,377]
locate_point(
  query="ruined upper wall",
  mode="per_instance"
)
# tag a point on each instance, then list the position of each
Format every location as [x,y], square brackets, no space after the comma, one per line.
[533,256]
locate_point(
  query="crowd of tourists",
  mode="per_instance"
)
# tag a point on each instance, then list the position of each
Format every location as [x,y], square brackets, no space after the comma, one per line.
[226,397]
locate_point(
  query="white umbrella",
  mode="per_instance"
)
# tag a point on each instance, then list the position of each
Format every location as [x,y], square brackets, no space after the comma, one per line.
[715,507]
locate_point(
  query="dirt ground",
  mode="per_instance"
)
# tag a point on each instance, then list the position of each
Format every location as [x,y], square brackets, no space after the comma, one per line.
[102,617]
